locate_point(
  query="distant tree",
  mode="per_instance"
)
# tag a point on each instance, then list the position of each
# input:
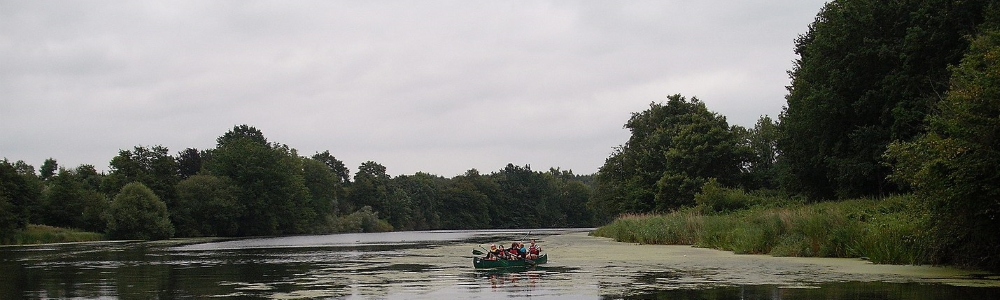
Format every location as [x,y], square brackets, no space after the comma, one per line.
[15,194]
[674,149]
[422,194]
[325,189]
[371,187]
[268,180]
[49,168]
[463,206]
[336,166]
[760,145]
[137,213]
[206,206]
[188,162]
[953,167]
[154,167]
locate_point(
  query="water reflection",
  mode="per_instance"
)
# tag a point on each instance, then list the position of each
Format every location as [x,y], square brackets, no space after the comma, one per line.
[423,265]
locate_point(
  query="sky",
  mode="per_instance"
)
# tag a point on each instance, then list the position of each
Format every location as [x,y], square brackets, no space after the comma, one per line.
[439,87]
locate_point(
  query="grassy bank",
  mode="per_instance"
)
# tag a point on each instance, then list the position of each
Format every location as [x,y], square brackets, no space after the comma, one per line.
[882,230]
[42,234]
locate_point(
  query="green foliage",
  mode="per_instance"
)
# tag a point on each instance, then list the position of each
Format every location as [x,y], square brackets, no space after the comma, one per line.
[72,200]
[44,234]
[206,206]
[137,213]
[15,195]
[362,220]
[268,180]
[885,231]
[674,149]
[855,90]
[953,168]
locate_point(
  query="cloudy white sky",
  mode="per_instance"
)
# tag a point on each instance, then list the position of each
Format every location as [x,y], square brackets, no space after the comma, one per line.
[418,86]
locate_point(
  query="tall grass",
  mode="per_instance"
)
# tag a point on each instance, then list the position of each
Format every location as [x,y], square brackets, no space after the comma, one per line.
[43,234]
[889,230]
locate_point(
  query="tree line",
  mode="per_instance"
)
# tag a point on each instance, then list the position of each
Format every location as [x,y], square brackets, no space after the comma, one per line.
[886,98]
[249,186]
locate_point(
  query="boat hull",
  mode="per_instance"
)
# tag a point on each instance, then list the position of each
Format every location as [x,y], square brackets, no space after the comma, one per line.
[481,263]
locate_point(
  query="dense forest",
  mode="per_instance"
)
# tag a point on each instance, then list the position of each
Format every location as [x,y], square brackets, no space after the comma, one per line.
[249,186]
[887,99]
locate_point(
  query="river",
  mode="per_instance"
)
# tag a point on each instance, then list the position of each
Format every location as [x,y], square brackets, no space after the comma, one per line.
[438,265]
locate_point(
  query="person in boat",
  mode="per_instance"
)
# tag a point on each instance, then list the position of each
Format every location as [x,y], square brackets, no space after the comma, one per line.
[534,250]
[494,253]
[521,250]
[514,252]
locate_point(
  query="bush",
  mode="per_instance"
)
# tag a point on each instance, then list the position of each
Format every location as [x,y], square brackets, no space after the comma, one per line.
[137,213]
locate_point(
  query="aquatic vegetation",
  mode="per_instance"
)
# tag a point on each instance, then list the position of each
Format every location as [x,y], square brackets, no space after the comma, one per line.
[43,234]
[888,230]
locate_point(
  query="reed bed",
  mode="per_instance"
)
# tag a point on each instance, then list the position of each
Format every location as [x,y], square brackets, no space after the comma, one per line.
[889,230]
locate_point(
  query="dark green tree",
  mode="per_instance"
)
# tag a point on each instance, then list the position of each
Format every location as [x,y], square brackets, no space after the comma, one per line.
[371,188]
[953,167]
[16,193]
[188,163]
[463,206]
[49,168]
[268,180]
[868,73]
[137,213]
[154,167]
[674,149]
[206,206]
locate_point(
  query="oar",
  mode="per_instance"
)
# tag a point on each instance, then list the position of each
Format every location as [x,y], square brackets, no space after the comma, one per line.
[477,252]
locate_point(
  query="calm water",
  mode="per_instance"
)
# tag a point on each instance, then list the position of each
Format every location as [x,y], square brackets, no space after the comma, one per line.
[410,265]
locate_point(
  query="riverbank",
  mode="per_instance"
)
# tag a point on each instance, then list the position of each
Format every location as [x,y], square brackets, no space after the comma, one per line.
[44,234]
[886,231]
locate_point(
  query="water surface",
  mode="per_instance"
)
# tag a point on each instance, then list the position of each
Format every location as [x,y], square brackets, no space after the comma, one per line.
[438,264]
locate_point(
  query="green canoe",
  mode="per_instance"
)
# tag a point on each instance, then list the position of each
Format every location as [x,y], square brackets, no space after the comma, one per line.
[481,263]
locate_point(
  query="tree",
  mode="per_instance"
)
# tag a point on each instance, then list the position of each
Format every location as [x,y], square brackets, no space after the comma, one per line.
[15,194]
[953,167]
[868,73]
[268,180]
[206,206]
[188,163]
[137,213]
[49,168]
[371,187]
[760,145]
[154,167]
[674,149]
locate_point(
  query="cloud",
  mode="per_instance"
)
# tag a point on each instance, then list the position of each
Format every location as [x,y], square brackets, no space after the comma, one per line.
[439,86]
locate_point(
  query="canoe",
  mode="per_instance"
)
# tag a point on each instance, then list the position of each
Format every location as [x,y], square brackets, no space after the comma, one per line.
[481,263]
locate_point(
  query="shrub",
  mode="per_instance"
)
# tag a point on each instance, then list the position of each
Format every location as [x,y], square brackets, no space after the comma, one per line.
[137,213]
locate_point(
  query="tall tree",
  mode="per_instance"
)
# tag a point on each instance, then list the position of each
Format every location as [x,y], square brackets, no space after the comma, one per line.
[867,74]
[188,163]
[49,168]
[953,167]
[15,195]
[154,167]
[268,180]
[674,149]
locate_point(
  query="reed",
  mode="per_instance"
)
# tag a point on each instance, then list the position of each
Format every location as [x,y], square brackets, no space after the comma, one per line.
[43,234]
[888,230]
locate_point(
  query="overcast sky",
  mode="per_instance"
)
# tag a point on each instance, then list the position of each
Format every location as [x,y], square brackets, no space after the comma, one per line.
[439,87]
